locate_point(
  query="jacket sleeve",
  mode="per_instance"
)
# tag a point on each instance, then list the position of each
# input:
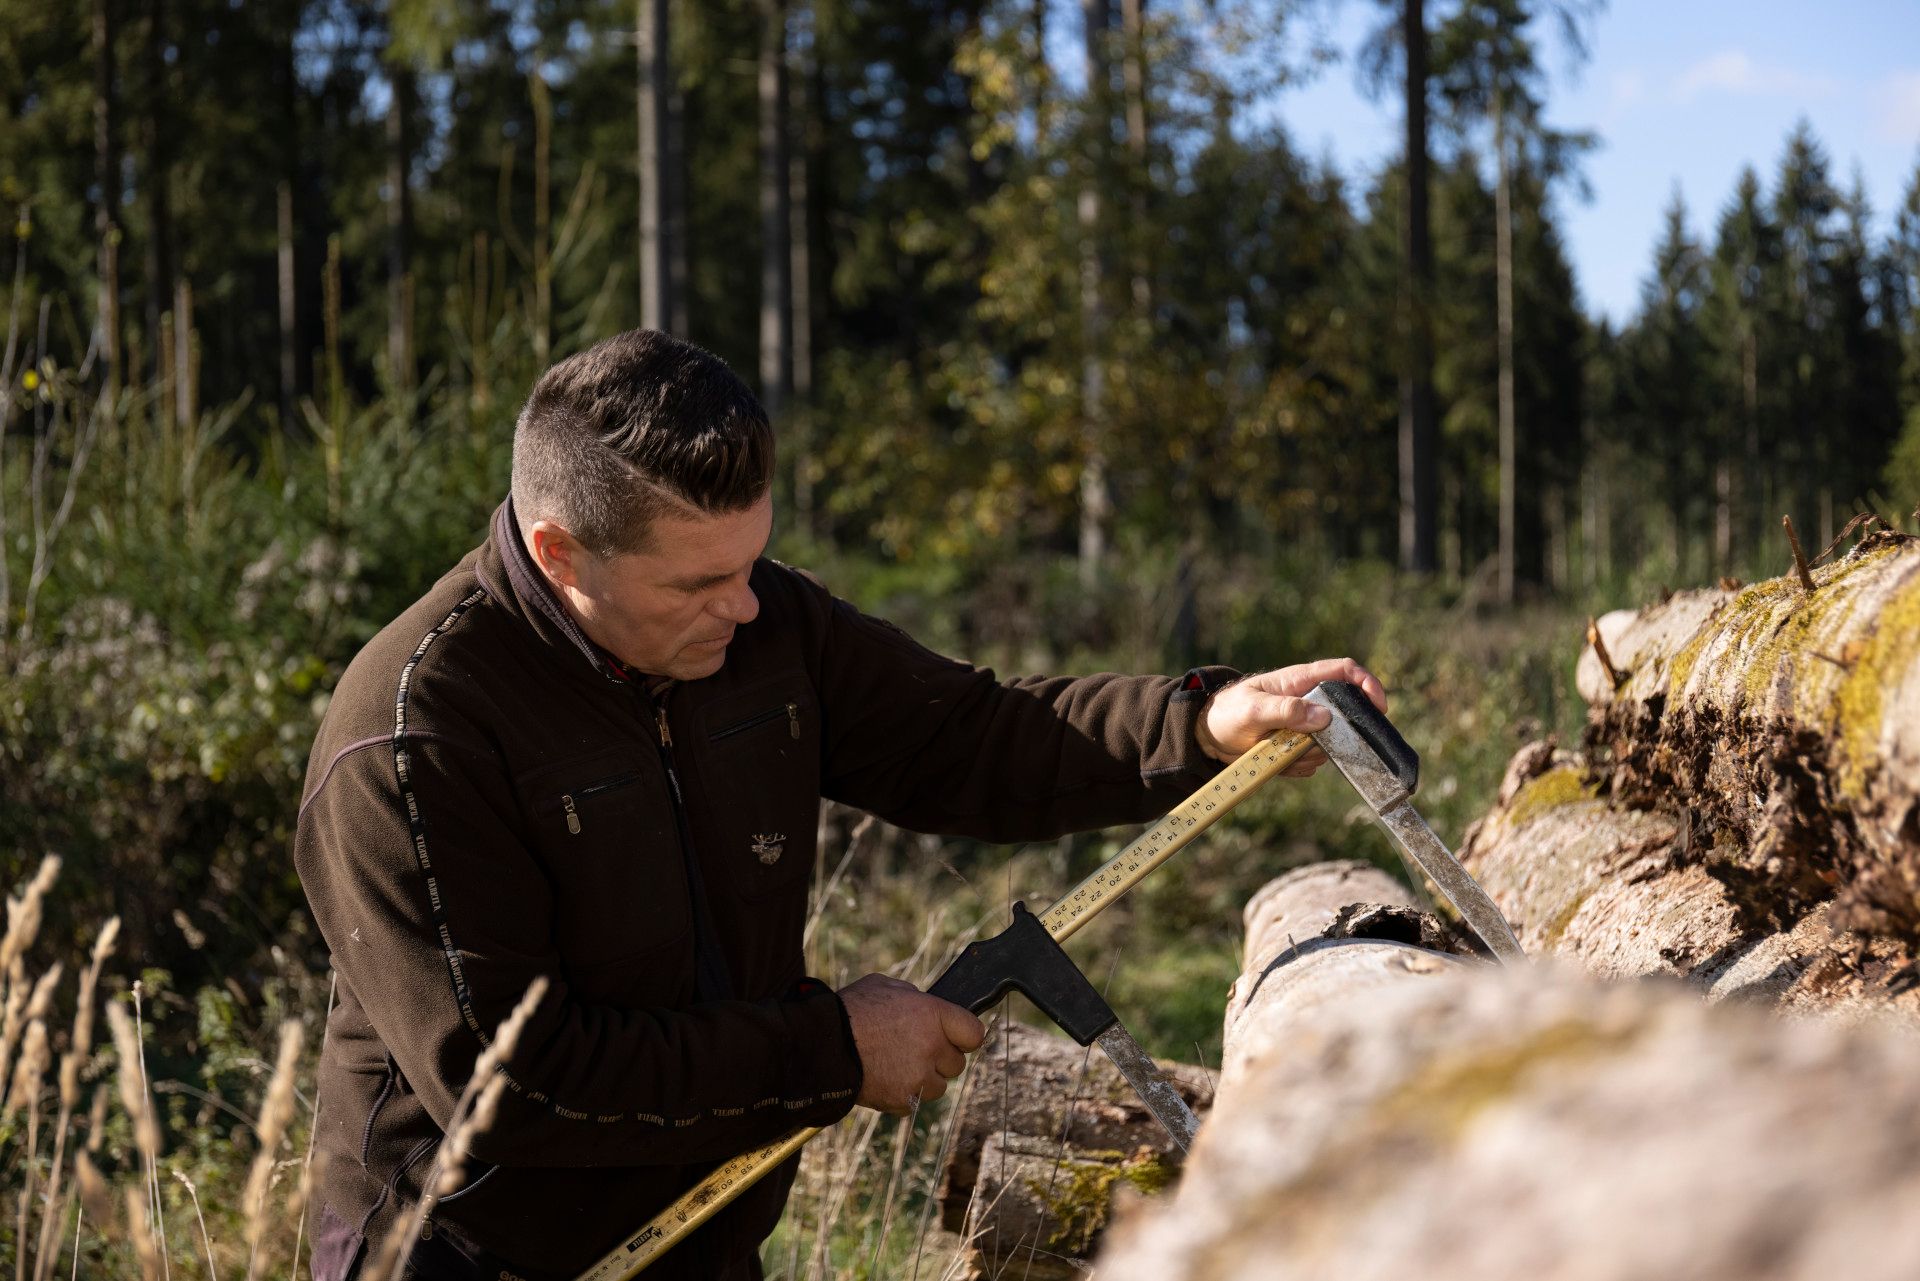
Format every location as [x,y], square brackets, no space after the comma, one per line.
[933,744]
[439,918]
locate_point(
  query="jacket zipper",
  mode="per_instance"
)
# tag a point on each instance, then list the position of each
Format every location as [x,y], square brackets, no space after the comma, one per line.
[708,964]
[568,799]
[791,711]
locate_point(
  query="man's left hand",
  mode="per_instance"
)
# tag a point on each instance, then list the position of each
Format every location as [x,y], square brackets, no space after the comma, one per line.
[1256,707]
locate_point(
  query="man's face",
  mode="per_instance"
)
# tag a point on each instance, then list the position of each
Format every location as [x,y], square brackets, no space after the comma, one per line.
[671,608]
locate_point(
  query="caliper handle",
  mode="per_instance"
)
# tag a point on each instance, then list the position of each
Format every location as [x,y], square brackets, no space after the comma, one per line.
[1352,703]
[1024,958]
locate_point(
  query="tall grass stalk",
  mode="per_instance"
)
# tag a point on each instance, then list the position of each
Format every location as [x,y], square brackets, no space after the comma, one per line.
[275,1113]
[70,1064]
[471,1116]
[153,1157]
[303,1191]
[205,1239]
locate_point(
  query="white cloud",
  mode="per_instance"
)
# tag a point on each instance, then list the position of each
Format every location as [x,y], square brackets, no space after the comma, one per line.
[1732,71]
[1897,108]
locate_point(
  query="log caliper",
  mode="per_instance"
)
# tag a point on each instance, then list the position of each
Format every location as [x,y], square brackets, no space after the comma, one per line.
[1365,747]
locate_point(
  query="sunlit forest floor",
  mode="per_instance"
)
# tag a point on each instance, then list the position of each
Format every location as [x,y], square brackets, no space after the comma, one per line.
[182,605]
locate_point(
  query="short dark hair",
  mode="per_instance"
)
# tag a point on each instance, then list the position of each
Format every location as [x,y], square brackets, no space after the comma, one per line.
[636,425]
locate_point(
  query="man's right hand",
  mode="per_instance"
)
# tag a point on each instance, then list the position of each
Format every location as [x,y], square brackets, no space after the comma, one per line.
[910,1044]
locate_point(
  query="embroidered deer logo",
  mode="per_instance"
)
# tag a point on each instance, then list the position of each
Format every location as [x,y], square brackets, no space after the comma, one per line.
[769,847]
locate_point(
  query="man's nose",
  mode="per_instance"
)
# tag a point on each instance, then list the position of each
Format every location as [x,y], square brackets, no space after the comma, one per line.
[737,605]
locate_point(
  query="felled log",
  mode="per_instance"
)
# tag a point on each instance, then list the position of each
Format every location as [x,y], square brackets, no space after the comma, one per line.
[1625,892]
[1391,1112]
[1785,725]
[1743,814]
[1044,1133]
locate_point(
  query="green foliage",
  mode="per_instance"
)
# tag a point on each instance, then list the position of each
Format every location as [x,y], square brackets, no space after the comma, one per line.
[1902,477]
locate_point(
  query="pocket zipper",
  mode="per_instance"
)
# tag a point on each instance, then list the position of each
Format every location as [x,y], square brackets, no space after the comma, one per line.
[791,711]
[568,799]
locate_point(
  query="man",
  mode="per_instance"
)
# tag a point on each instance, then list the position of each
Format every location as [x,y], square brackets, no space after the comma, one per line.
[594,752]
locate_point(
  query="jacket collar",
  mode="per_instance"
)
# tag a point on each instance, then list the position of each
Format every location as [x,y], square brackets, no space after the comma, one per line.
[508,571]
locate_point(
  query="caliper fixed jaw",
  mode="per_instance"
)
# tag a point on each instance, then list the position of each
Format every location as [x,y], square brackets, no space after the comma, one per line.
[1024,958]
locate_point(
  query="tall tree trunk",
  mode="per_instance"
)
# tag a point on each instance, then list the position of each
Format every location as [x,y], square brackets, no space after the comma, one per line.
[288,301]
[805,135]
[542,220]
[1750,415]
[1503,288]
[399,230]
[1039,77]
[1133,65]
[1096,500]
[807,149]
[1419,517]
[679,227]
[1723,511]
[106,217]
[776,253]
[289,315]
[186,366]
[653,35]
[158,129]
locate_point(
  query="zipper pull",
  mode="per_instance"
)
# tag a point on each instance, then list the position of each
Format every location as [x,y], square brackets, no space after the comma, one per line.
[666,735]
[793,719]
[573,818]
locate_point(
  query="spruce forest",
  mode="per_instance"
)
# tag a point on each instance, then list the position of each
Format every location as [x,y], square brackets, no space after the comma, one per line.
[1077,360]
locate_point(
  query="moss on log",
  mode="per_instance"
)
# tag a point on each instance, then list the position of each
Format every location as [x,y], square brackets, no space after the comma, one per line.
[1046,1134]
[1622,892]
[1784,728]
[1390,1116]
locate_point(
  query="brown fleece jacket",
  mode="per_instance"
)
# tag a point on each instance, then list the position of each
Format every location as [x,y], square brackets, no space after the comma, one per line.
[491,800]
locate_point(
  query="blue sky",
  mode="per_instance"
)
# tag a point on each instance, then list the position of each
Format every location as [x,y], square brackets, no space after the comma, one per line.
[1683,93]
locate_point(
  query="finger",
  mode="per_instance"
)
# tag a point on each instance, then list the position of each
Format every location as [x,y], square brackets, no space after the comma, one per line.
[950,1063]
[1270,712]
[1370,686]
[1298,770]
[932,1088]
[962,1030]
[1300,678]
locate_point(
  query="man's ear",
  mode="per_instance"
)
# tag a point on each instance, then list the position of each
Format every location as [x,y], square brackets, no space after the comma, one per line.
[558,553]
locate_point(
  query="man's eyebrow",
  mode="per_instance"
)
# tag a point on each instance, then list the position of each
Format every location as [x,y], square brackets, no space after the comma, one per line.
[698,584]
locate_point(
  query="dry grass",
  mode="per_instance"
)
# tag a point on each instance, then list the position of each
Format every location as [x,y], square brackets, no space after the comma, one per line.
[113,1222]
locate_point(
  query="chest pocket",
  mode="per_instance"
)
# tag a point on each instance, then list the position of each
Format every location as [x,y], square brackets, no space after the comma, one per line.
[760,784]
[606,836]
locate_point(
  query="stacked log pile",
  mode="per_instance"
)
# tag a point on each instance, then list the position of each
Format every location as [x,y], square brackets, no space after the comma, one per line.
[1745,810]
[1744,817]
[1387,1111]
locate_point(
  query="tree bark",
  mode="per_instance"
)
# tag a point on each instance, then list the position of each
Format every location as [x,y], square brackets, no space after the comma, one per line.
[652,30]
[1043,1135]
[542,219]
[679,226]
[1386,1110]
[1503,291]
[285,259]
[1133,36]
[1096,498]
[1419,517]
[399,230]
[159,176]
[776,251]
[106,172]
